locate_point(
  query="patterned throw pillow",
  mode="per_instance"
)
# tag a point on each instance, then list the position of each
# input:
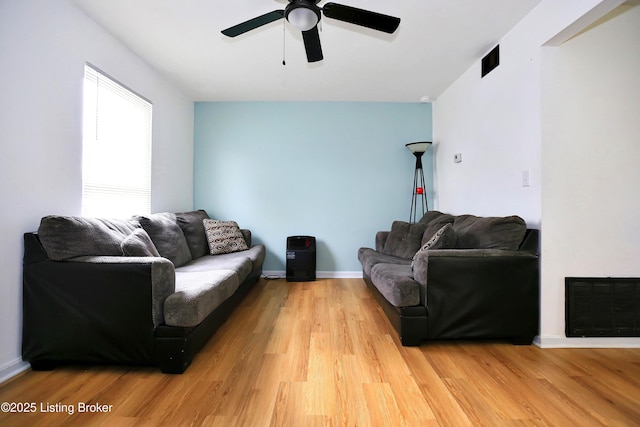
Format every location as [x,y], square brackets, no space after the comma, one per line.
[224,237]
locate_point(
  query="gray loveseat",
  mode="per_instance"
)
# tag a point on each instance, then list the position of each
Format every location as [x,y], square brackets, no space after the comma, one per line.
[146,291]
[456,277]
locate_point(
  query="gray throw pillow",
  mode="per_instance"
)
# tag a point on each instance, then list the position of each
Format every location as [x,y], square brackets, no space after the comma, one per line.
[65,237]
[193,229]
[167,237]
[445,238]
[139,243]
[224,237]
[404,239]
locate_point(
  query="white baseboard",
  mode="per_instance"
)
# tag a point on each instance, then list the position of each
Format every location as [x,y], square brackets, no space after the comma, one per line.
[559,341]
[13,368]
[319,274]
[340,274]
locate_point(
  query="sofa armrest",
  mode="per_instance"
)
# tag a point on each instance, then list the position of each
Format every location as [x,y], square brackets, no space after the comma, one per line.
[247,236]
[471,258]
[471,291]
[163,277]
[531,242]
[94,309]
[381,238]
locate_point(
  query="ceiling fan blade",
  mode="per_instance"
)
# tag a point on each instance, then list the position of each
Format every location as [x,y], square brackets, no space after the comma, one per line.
[312,44]
[254,23]
[364,18]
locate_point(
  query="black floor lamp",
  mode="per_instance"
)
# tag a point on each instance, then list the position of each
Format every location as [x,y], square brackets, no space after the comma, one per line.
[419,197]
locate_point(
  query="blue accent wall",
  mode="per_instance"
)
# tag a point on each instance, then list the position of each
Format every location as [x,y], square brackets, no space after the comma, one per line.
[338,171]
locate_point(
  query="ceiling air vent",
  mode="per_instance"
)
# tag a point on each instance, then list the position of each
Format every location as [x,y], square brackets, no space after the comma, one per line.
[491,60]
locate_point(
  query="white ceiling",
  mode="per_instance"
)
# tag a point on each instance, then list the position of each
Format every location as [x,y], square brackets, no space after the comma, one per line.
[436,42]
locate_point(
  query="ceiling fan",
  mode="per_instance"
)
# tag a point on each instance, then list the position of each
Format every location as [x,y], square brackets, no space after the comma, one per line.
[305,15]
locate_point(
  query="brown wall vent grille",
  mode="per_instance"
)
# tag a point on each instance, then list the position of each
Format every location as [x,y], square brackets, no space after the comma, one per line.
[602,307]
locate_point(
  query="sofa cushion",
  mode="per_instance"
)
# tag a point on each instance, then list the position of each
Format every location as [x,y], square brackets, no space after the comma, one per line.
[404,239]
[224,237]
[395,282]
[197,295]
[139,243]
[257,255]
[431,216]
[434,221]
[474,232]
[193,229]
[368,258]
[65,237]
[238,262]
[167,236]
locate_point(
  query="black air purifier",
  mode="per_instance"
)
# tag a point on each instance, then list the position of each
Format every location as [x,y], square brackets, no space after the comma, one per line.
[301,258]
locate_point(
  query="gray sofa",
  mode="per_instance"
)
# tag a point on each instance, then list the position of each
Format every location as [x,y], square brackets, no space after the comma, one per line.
[456,277]
[150,290]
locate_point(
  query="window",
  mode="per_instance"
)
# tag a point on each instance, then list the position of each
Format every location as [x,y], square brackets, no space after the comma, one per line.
[116,156]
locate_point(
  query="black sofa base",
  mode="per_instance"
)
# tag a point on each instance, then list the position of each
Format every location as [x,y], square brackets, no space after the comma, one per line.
[410,322]
[176,347]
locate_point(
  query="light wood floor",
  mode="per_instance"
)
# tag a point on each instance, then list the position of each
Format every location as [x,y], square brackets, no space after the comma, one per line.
[323,354]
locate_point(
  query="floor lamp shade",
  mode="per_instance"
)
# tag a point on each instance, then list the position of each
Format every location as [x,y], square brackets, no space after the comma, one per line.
[419,193]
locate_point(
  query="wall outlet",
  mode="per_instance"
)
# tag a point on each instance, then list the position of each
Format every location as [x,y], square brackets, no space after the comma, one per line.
[526,182]
[457,158]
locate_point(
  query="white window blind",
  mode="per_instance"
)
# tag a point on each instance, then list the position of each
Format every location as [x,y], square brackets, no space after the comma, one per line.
[116,158]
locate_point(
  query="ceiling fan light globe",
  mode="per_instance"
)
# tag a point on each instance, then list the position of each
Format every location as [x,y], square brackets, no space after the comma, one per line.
[302,18]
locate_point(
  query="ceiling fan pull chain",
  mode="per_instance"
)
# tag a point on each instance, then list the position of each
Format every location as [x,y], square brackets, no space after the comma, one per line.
[284,34]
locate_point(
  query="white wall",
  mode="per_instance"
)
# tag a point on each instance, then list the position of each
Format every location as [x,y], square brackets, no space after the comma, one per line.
[494,122]
[590,153]
[44,45]
[497,125]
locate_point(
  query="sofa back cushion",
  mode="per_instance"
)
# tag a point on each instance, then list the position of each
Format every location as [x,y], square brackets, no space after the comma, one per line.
[434,221]
[65,237]
[167,236]
[193,229]
[404,239]
[474,232]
